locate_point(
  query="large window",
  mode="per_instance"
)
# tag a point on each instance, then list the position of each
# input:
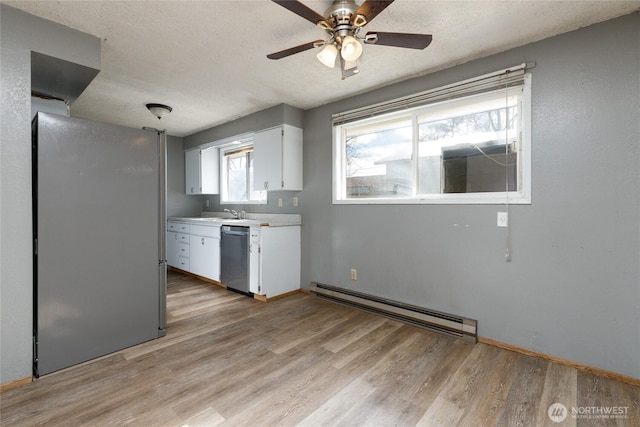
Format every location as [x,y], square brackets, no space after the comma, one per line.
[470,149]
[237,176]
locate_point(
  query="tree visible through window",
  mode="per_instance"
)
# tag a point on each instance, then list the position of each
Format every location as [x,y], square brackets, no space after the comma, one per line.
[469,153]
[238,176]
[467,145]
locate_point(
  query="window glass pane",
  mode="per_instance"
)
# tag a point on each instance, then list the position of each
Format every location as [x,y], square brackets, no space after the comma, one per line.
[255,195]
[378,160]
[464,151]
[237,177]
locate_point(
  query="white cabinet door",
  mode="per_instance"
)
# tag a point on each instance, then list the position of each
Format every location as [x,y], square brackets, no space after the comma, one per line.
[172,249]
[201,170]
[192,171]
[279,260]
[278,159]
[204,257]
[292,158]
[267,159]
[210,170]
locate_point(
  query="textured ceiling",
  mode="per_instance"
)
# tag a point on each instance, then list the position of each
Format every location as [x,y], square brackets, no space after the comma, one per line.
[207,59]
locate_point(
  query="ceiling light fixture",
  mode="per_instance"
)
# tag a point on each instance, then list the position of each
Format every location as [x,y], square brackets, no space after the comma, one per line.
[343,21]
[328,55]
[159,110]
[351,48]
[350,51]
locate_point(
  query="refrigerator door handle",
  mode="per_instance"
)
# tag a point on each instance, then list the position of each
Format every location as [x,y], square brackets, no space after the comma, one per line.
[162,200]
[162,233]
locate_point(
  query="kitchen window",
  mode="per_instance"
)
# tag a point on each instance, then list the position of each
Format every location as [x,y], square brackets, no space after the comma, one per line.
[237,176]
[467,143]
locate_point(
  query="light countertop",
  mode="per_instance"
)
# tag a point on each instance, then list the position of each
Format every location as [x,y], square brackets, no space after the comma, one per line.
[252,220]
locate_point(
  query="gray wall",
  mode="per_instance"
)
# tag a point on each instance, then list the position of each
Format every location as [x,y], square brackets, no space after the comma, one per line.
[179,203]
[572,288]
[264,119]
[270,207]
[21,33]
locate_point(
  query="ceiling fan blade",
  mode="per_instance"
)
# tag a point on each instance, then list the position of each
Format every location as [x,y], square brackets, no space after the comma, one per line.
[370,9]
[294,50]
[412,41]
[303,11]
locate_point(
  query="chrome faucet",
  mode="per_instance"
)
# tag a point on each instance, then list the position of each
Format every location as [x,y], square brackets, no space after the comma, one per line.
[232,212]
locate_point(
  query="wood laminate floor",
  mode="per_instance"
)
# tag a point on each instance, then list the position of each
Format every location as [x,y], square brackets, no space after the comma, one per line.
[229,360]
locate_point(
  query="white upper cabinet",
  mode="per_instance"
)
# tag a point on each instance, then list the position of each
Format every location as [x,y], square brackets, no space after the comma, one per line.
[201,168]
[278,159]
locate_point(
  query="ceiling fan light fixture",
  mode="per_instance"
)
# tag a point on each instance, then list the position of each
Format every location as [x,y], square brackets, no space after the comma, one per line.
[351,49]
[328,55]
[344,21]
[159,110]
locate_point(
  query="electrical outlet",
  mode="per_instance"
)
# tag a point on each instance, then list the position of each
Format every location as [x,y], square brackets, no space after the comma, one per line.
[279,202]
[295,201]
[354,274]
[503,219]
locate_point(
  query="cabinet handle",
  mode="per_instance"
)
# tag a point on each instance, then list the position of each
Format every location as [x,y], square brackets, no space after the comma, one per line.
[266,185]
[192,189]
[202,241]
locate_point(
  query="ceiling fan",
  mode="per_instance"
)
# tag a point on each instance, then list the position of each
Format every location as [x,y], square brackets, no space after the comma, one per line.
[343,21]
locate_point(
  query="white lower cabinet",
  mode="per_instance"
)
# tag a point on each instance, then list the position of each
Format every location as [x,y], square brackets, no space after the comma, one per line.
[204,251]
[178,245]
[274,260]
[183,254]
[178,250]
[172,249]
[197,251]
[274,255]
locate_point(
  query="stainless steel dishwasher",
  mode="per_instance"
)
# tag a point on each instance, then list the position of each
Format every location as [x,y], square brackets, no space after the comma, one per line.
[234,258]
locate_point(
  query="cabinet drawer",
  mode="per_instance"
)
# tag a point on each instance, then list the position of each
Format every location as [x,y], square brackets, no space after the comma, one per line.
[183,263]
[178,226]
[183,250]
[183,238]
[205,231]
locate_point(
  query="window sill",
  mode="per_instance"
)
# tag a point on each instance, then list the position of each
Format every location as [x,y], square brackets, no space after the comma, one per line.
[512,198]
[244,202]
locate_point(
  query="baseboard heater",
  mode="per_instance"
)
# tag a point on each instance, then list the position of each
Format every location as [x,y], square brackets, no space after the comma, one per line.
[436,321]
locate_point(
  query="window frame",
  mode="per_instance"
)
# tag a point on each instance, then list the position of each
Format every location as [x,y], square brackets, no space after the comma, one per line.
[521,196]
[235,146]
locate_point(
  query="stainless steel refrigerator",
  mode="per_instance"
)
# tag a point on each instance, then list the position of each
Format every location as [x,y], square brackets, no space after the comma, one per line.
[99,239]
